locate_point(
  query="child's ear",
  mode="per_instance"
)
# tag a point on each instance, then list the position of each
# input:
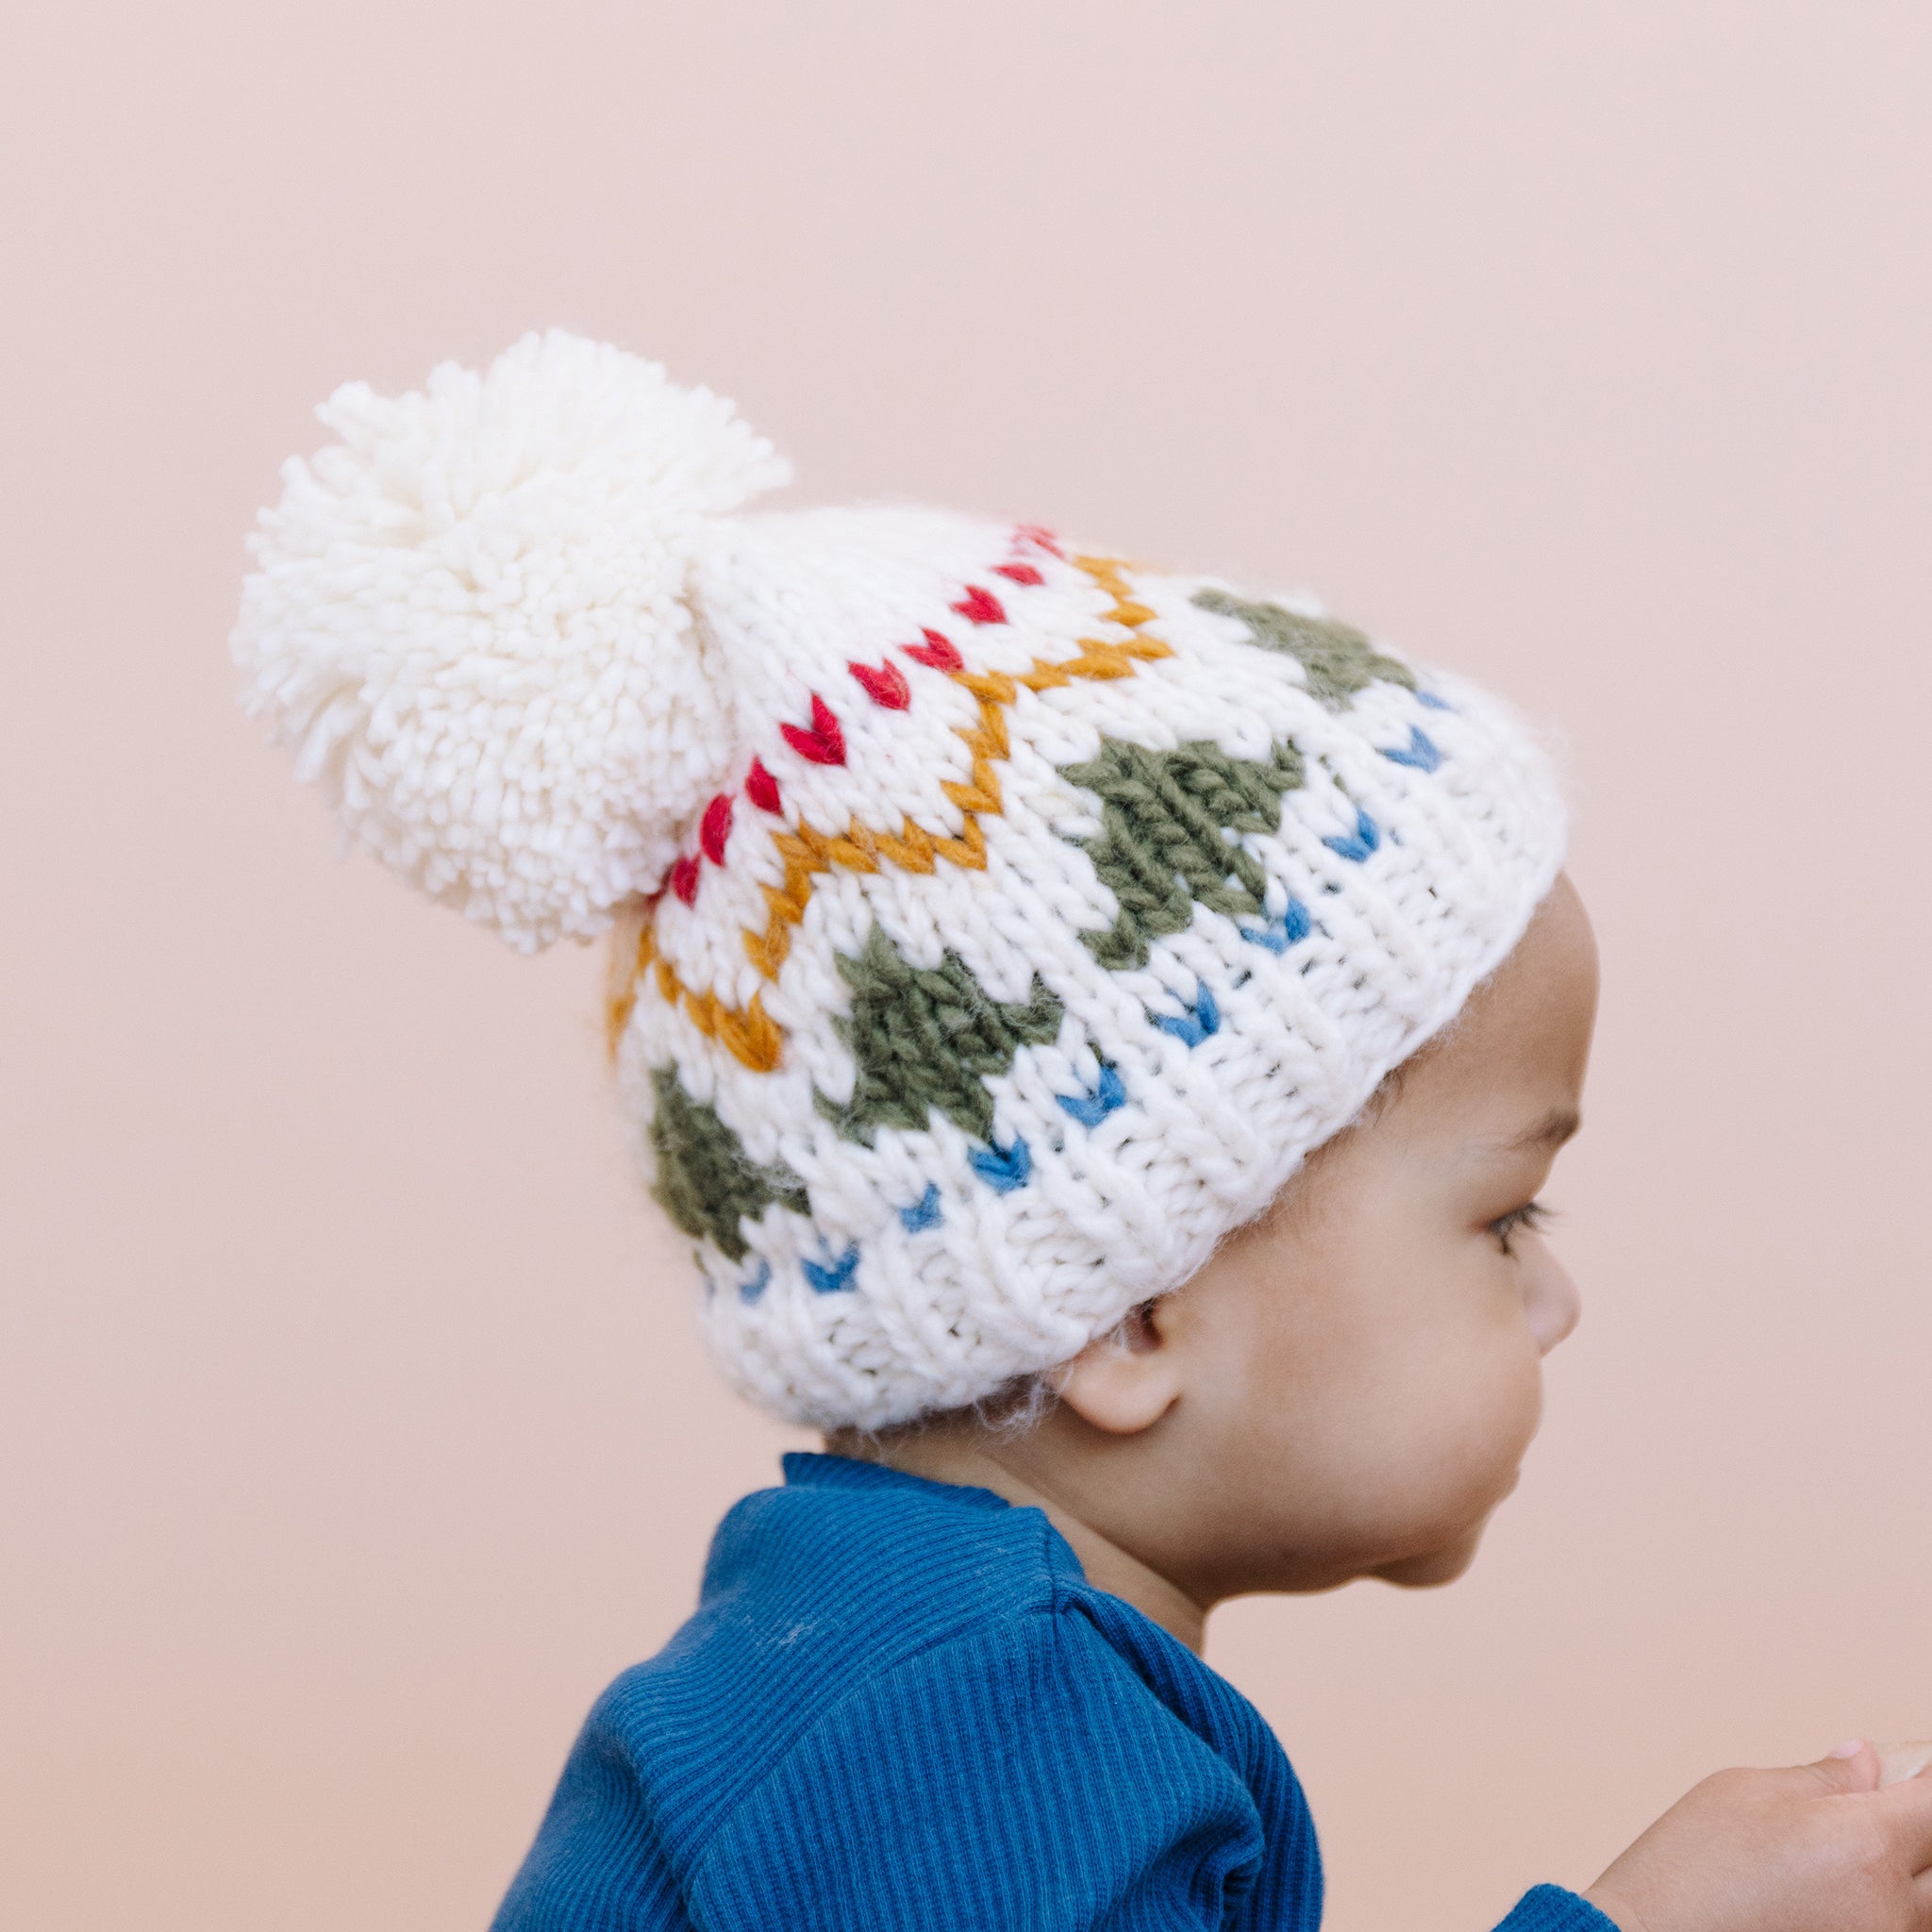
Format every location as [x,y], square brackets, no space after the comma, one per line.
[1127,1379]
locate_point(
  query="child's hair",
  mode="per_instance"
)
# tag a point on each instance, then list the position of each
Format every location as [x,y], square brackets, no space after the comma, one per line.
[999,922]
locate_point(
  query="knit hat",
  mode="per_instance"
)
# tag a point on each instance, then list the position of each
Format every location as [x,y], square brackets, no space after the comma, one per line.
[999,923]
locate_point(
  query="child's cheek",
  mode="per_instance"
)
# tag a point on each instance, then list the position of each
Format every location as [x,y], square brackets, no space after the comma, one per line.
[1485,1401]
[1505,1422]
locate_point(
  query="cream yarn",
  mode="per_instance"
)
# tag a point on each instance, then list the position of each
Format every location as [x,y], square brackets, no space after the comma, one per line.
[1002,924]
[469,620]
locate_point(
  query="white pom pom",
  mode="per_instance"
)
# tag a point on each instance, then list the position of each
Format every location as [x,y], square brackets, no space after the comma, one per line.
[469,620]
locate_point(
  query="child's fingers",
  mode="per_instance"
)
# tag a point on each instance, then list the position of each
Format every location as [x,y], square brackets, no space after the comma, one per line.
[1853,1767]
[1907,1808]
[1897,1762]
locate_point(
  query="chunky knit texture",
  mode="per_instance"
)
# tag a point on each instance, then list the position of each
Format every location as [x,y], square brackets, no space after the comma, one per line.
[471,623]
[999,924]
[901,1708]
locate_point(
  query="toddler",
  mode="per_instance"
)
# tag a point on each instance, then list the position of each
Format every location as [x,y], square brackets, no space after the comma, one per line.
[1103,1034]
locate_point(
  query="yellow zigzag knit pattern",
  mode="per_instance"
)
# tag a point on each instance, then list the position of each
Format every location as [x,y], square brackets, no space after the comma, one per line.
[752,1036]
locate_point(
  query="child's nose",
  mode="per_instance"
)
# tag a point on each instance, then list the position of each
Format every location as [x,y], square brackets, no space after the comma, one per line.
[1554,1307]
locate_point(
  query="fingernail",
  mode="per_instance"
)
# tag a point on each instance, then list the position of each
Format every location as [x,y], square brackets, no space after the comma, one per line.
[1851,1749]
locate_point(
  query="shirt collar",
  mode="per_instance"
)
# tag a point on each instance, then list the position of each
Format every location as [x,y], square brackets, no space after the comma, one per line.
[808,1470]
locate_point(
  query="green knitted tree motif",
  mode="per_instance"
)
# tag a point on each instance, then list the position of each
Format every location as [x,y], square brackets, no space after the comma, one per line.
[1338,658]
[926,1040]
[1169,827]
[707,1182]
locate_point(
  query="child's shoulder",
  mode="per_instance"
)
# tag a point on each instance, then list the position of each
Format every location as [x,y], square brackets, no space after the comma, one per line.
[845,1575]
[898,1686]
[855,1600]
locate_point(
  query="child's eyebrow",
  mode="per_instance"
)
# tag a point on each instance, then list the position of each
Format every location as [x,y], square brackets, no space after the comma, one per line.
[1556,1126]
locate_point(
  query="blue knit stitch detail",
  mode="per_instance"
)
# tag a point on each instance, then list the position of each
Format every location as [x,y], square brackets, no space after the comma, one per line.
[1420,751]
[1434,703]
[1002,1171]
[920,1717]
[1550,1908]
[923,1213]
[1201,1019]
[1292,928]
[750,1291]
[835,1278]
[1356,845]
[1089,1109]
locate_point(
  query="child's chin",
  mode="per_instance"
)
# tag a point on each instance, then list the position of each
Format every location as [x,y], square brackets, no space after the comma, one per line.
[1434,1568]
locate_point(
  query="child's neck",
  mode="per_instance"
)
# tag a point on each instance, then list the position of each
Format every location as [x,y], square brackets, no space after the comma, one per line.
[941,1455]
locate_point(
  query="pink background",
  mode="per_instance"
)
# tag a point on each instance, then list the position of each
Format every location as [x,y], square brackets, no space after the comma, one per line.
[355,1432]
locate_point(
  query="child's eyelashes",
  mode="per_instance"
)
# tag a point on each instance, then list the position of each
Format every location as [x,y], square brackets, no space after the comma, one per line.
[1531,1218]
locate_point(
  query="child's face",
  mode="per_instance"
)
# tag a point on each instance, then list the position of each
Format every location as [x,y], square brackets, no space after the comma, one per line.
[1348,1387]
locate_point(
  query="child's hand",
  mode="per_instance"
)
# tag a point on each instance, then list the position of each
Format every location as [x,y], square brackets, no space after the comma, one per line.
[1823,1846]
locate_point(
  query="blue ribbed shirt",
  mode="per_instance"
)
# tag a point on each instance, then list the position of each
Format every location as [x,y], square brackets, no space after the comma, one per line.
[902,1707]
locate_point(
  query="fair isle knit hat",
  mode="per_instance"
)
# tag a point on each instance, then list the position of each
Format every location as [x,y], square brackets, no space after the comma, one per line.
[999,923]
